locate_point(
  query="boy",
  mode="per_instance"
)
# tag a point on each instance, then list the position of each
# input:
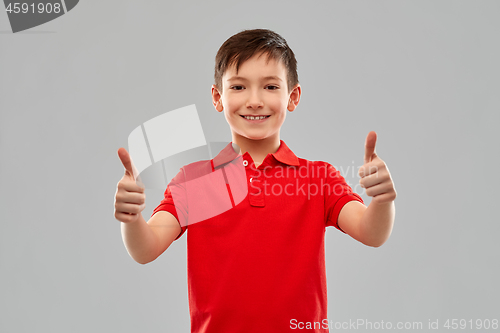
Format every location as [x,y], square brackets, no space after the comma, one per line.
[260,266]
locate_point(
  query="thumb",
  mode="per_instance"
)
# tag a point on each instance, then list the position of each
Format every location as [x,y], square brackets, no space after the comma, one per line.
[130,169]
[371,139]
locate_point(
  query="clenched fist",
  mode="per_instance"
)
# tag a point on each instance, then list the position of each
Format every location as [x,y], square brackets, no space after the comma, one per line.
[130,199]
[375,176]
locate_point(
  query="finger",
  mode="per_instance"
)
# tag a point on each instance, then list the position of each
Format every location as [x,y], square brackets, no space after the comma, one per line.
[369,169]
[378,189]
[131,186]
[129,208]
[131,197]
[125,217]
[372,180]
[371,139]
[385,197]
[127,163]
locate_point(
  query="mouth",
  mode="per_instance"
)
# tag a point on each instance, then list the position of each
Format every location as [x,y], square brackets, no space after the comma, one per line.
[259,119]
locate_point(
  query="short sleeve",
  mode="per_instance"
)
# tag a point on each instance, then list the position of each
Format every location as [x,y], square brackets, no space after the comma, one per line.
[337,194]
[175,189]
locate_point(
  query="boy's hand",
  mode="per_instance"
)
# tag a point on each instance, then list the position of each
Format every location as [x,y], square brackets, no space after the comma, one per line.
[130,199]
[375,176]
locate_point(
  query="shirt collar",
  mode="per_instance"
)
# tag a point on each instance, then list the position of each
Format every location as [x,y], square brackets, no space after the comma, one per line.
[283,154]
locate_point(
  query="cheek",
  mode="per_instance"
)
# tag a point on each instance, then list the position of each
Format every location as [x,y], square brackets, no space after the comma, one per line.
[228,114]
[280,108]
[233,102]
[278,102]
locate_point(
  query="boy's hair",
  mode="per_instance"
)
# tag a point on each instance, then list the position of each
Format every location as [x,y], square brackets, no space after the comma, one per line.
[242,46]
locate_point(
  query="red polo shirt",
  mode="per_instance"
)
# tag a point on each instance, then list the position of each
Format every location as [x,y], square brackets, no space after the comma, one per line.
[258,264]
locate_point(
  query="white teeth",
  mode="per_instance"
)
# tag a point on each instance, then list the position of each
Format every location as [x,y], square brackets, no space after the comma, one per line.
[253,118]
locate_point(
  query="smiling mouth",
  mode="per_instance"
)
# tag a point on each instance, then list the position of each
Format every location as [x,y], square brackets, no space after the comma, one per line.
[255,118]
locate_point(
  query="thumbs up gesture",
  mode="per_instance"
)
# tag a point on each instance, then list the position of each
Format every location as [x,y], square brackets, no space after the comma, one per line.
[130,199]
[375,176]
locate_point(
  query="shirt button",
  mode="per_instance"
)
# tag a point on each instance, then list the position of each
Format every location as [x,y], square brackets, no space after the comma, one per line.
[245,162]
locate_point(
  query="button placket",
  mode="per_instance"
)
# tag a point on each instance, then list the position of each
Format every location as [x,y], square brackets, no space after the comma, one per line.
[256,192]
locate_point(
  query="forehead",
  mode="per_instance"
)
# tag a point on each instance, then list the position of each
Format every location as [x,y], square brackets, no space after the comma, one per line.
[257,66]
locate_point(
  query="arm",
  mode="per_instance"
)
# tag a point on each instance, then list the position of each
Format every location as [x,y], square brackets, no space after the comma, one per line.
[146,241]
[371,225]
[143,241]
[130,197]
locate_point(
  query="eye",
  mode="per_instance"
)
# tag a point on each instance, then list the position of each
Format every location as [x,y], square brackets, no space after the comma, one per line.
[236,87]
[275,87]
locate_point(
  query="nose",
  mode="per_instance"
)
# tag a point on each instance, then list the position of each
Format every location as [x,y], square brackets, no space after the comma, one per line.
[255,101]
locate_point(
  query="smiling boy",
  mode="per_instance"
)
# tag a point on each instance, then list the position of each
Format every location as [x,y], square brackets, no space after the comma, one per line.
[260,266]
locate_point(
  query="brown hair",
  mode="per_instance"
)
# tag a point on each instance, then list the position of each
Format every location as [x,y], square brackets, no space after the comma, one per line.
[245,44]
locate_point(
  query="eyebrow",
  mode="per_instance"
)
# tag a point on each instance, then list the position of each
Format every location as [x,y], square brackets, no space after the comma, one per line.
[234,78]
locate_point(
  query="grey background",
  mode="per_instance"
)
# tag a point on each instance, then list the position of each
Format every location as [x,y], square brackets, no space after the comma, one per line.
[422,74]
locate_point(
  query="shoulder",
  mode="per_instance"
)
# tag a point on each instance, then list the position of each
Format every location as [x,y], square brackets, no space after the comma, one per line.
[193,171]
[304,161]
[320,168]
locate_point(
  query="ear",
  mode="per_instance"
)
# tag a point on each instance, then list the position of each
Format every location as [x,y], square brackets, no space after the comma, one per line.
[294,98]
[217,99]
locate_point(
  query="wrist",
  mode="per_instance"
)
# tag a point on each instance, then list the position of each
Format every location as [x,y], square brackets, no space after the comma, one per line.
[378,204]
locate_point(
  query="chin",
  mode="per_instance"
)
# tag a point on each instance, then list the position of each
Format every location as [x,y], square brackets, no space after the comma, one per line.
[254,137]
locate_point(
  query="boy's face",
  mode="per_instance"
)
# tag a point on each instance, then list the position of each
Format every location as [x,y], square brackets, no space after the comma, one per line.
[259,89]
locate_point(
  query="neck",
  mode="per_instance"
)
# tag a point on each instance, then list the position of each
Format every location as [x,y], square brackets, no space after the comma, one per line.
[258,149]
